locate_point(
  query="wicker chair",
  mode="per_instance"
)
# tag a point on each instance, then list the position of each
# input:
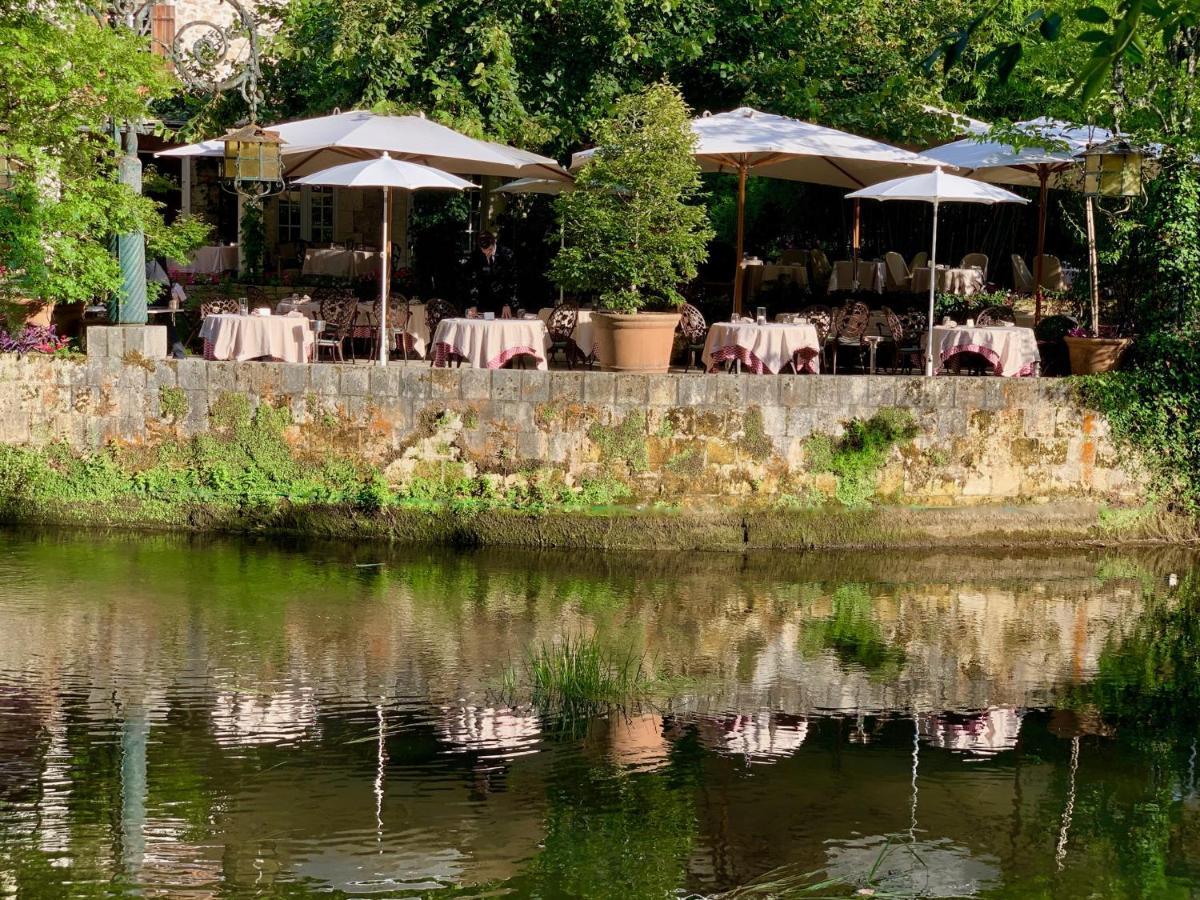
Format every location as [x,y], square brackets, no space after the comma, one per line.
[904,333]
[993,315]
[338,313]
[256,297]
[219,306]
[435,311]
[693,329]
[561,326]
[850,328]
[975,261]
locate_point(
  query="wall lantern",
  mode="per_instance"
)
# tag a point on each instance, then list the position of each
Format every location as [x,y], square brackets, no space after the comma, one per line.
[254,161]
[1113,169]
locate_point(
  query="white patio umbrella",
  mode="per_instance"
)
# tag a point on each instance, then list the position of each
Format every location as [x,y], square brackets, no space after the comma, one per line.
[386,173]
[748,142]
[312,145]
[936,187]
[1053,166]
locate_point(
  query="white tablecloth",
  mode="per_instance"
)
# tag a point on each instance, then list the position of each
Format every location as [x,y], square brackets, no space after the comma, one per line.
[1012,351]
[872,276]
[763,349]
[342,263]
[585,343]
[964,282]
[490,343]
[211,260]
[226,336]
[416,334]
[759,274]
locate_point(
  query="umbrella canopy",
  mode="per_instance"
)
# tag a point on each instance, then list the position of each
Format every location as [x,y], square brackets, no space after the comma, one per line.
[1054,166]
[311,145]
[936,187]
[386,173]
[748,142]
[551,186]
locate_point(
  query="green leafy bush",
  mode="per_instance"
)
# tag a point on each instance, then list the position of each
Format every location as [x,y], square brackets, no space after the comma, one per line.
[633,227]
[1153,408]
[857,456]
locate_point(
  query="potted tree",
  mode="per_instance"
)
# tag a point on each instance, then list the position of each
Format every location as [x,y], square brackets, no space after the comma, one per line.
[633,229]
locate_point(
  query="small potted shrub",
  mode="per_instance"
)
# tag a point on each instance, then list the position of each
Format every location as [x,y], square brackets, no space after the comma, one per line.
[633,229]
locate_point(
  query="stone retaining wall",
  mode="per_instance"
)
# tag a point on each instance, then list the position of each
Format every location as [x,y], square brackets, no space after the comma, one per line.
[683,439]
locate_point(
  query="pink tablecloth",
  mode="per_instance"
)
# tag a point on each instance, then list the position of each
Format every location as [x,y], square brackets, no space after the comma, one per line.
[1010,350]
[585,343]
[415,333]
[210,260]
[964,282]
[289,338]
[871,276]
[763,348]
[490,343]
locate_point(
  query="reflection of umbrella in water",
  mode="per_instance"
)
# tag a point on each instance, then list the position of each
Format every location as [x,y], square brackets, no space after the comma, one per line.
[474,728]
[928,868]
[759,737]
[983,734]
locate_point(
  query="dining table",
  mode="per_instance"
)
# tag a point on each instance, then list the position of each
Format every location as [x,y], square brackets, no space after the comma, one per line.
[950,280]
[582,336]
[338,263]
[868,276]
[230,336]
[763,348]
[210,260]
[1011,350]
[760,274]
[491,343]
[414,332]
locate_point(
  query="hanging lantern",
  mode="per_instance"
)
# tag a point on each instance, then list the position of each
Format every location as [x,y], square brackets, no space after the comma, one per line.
[253,158]
[1113,169]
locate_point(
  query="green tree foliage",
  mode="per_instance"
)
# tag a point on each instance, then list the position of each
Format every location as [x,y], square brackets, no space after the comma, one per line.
[63,81]
[634,229]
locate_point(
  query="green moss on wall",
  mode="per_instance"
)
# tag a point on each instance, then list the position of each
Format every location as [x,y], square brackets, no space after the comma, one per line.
[753,440]
[172,403]
[624,442]
[857,456]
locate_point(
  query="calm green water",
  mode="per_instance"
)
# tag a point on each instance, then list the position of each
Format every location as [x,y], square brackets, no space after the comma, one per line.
[233,719]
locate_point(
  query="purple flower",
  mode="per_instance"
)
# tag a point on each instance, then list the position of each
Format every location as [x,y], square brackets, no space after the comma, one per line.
[34,339]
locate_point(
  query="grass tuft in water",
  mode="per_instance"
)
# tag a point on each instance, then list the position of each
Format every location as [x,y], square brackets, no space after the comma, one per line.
[578,674]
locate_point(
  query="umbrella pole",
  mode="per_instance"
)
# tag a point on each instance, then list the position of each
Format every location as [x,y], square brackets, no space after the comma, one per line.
[856,239]
[386,270]
[1093,265]
[932,285]
[741,237]
[1043,176]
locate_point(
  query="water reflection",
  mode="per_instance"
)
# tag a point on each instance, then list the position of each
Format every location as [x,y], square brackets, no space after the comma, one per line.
[241,719]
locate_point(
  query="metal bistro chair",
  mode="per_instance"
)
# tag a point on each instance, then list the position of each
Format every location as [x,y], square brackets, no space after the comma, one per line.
[561,326]
[851,328]
[694,330]
[905,338]
[338,313]
[993,315]
[435,311]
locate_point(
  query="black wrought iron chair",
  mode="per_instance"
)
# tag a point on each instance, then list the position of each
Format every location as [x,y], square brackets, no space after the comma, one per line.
[694,330]
[561,326]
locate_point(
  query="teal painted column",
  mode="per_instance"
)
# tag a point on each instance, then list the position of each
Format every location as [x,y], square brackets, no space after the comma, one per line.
[128,305]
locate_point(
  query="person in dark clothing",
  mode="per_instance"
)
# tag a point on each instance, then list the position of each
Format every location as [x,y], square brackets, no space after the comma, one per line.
[493,281]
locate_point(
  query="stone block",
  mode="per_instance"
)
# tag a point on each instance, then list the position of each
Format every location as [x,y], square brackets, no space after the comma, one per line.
[567,386]
[795,390]
[192,374]
[763,390]
[97,341]
[165,374]
[801,421]
[774,420]
[600,387]
[662,390]
[354,380]
[445,384]
[69,373]
[533,446]
[506,385]
[824,391]
[563,447]
[325,380]
[881,390]
[415,384]
[535,386]
[517,416]
[222,376]
[697,390]
[477,384]
[731,390]
[632,389]
[384,383]
[294,378]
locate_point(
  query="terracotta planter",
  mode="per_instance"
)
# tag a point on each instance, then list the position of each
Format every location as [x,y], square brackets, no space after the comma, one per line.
[634,342]
[1090,355]
[34,312]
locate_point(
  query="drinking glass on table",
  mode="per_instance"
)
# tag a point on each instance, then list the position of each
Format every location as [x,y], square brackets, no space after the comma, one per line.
[243,307]
[761,316]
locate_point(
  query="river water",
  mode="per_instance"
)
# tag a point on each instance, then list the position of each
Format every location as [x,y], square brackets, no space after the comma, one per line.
[233,718]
